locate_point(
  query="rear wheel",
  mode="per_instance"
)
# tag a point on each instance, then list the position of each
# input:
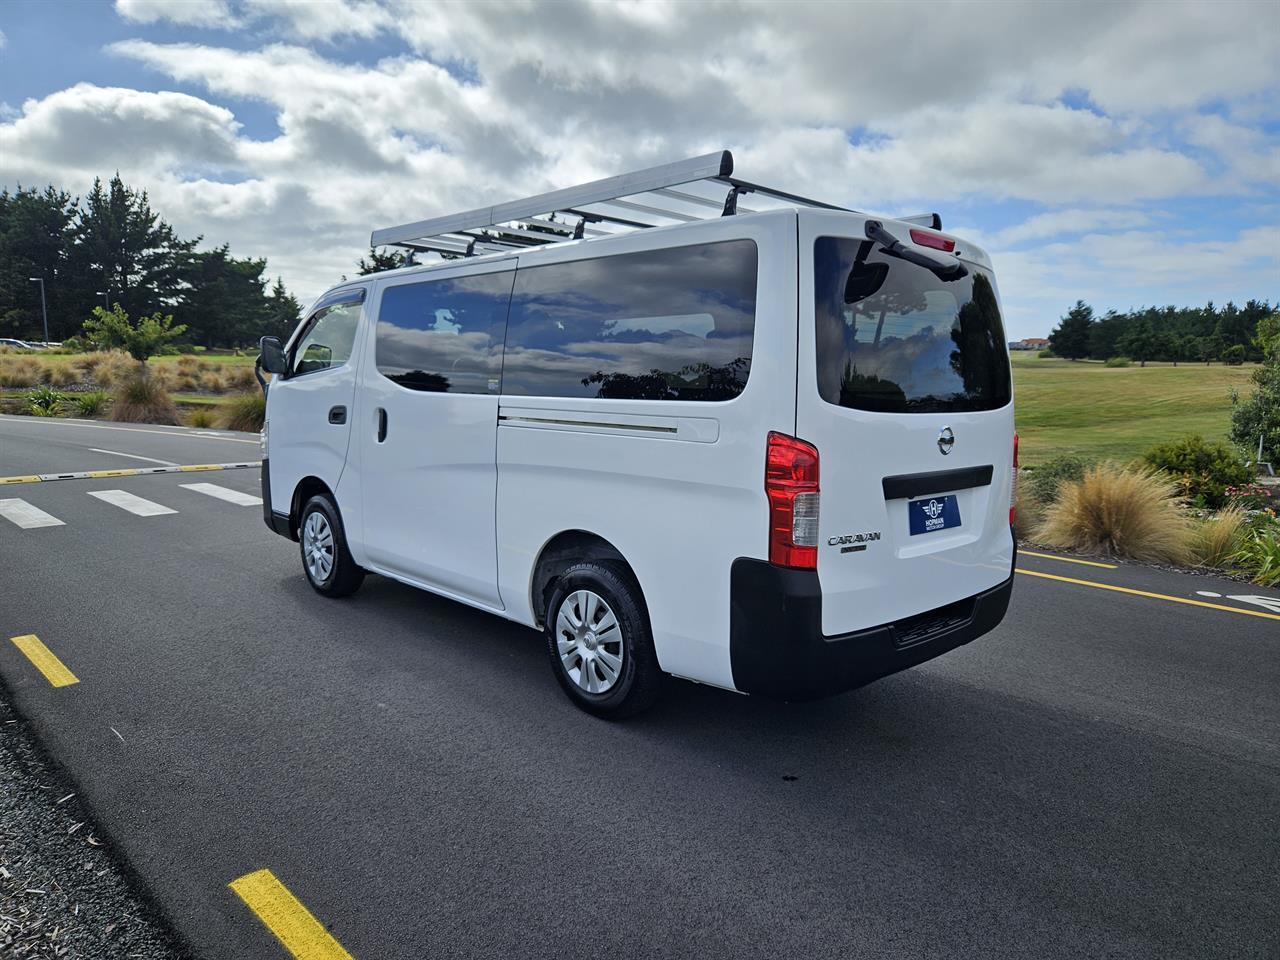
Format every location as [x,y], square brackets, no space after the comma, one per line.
[325,558]
[599,641]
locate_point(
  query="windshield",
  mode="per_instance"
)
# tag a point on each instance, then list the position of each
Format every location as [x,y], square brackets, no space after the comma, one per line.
[893,337]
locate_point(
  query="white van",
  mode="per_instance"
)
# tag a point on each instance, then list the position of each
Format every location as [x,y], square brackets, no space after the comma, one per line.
[770,450]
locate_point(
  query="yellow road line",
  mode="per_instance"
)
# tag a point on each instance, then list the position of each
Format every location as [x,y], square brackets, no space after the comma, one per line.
[1153,596]
[54,670]
[4,480]
[111,473]
[1050,556]
[282,914]
[191,468]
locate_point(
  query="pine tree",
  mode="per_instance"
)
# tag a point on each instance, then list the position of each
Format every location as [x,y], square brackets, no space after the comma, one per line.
[1070,338]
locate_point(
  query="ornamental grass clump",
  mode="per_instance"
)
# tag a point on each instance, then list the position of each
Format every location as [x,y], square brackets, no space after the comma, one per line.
[245,411]
[1117,511]
[1216,539]
[142,399]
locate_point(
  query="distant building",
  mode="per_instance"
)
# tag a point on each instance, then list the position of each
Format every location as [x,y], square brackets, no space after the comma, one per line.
[1031,343]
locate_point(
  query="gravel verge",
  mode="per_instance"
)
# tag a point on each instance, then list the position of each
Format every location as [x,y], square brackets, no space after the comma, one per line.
[62,894]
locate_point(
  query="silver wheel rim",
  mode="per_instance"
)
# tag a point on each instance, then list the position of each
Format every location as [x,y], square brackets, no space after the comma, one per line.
[317,546]
[589,641]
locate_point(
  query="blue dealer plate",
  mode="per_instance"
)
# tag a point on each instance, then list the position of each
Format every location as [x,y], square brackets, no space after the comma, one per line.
[935,513]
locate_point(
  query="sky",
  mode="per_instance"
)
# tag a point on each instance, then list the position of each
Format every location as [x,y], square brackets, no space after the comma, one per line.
[1125,154]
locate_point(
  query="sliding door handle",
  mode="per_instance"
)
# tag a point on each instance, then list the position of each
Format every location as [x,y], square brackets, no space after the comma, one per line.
[382,424]
[337,414]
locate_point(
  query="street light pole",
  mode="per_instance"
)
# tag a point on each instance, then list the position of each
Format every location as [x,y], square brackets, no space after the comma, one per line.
[103,295]
[43,309]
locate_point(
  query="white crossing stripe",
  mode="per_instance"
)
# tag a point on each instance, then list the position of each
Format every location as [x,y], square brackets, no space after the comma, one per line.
[224,493]
[127,501]
[26,516]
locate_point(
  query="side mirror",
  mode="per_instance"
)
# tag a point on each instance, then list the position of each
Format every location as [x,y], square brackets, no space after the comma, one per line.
[271,356]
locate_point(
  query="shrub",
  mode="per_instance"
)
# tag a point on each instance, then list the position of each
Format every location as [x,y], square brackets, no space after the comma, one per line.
[1045,480]
[1046,354]
[200,417]
[246,412]
[141,338]
[1117,362]
[74,345]
[1253,496]
[1258,416]
[184,383]
[45,401]
[20,372]
[90,404]
[1203,470]
[1259,554]
[211,382]
[1030,509]
[185,348]
[1216,539]
[1127,512]
[61,374]
[240,378]
[188,366]
[1234,355]
[142,400]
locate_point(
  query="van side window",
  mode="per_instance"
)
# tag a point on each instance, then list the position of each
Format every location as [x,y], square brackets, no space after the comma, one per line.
[444,335]
[671,324]
[328,339]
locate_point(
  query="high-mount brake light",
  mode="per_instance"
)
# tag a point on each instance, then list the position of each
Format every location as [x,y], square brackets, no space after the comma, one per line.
[926,239]
[1013,488]
[791,483]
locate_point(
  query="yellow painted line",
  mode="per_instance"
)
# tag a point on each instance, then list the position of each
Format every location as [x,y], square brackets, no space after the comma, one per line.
[282,913]
[192,468]
[4,480]
[1153,596]
[54,670]
[95,474]
[1050,556]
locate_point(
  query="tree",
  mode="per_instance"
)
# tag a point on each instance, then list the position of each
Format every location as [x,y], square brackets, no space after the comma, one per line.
[1258,417]
[141,339]
[1139,341]
[283,312]
[34,239]
[383,259]
[225,302]
[121,246]
[1070,338]
[1105,333]
[1266,335]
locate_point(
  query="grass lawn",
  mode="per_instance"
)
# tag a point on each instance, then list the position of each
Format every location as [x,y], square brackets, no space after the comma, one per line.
[1118,413]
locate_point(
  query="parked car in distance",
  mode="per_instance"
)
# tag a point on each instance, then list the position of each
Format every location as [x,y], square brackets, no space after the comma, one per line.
[770,450]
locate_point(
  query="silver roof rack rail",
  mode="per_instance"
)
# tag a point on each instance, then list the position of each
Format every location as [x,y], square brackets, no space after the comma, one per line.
[699,188]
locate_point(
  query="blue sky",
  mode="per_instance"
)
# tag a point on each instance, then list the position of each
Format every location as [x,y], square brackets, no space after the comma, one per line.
[1122,154]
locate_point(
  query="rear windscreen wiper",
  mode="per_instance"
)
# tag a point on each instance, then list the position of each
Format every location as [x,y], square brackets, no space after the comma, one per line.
[942,269]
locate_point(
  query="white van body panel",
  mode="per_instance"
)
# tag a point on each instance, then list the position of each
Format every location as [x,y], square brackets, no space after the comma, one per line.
[676,487]
[429,487]
[898,575]
[302,441]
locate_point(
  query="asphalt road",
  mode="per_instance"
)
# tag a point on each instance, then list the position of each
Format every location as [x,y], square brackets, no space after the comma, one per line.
[1100,776]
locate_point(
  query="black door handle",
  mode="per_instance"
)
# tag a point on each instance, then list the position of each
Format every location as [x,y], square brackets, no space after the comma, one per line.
[382,424]
[337,414]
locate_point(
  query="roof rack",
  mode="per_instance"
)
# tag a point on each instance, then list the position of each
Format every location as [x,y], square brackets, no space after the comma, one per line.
[700,188]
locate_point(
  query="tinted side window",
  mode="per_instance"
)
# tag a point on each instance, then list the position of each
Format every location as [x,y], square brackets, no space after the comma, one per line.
[328,339]
[444,335]
[673,324]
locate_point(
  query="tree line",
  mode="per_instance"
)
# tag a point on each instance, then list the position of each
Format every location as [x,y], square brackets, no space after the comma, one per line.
[110,247]
[1194,334]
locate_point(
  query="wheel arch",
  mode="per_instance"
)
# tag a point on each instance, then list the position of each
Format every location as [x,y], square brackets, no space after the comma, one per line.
[307,488]
[562,551]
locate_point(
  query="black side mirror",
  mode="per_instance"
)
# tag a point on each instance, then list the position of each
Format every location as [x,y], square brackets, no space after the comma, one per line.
[271,356]
[865,280]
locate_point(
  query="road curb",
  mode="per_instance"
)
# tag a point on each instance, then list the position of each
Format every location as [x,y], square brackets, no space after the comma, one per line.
[128,472]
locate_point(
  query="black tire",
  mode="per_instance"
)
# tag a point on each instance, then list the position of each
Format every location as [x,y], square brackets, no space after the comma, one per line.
[639,681]
[343,577]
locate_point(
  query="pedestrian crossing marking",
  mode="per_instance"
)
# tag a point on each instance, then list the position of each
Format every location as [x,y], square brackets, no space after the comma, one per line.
[224,493]
[134,504]
[26,516]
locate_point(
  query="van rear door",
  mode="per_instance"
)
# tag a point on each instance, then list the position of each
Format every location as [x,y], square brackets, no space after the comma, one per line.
[904,388]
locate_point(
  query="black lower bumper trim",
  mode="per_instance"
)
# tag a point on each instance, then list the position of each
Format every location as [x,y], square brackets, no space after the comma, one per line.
[777,648]
[279,522]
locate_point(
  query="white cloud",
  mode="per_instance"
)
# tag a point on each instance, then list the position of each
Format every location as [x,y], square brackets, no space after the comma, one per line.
[188,13]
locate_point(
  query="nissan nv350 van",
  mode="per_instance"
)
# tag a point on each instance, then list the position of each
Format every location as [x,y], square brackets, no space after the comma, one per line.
[738,437]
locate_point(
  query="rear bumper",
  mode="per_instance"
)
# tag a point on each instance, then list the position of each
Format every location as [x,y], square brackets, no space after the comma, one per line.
[777,649]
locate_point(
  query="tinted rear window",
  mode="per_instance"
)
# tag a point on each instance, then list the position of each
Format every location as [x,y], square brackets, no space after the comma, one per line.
[671,324]
[893,337]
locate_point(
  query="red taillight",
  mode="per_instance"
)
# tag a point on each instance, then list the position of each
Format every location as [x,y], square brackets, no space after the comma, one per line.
[1013,487]
[791,483]
[926,239]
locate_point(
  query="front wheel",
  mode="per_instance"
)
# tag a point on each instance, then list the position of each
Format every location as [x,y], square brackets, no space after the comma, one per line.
[325,557]
[599,641]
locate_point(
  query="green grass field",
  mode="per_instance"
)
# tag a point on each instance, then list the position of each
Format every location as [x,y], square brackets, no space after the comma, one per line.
[1118,413]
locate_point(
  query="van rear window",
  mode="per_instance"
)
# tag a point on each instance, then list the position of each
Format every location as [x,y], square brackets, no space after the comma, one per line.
[893,337]
[670,324]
